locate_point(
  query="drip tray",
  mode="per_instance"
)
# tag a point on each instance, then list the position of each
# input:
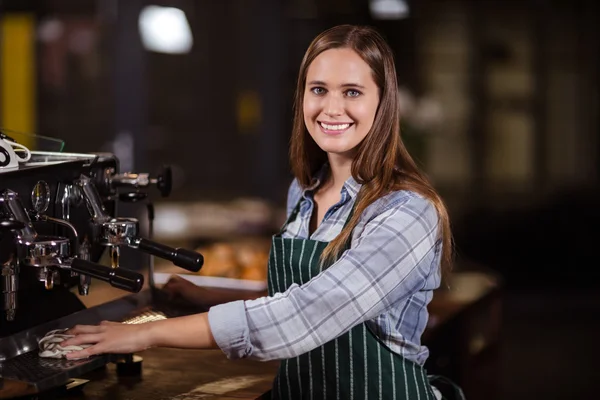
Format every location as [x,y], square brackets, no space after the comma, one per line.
[44,373]
[37,374]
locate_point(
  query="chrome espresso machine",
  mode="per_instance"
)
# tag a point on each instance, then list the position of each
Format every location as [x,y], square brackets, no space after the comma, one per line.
[58,220]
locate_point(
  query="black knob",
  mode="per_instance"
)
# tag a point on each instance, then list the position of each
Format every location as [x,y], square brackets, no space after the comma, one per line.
[164,181]
[186,259]
[132,197]
[11,225]
[118,277]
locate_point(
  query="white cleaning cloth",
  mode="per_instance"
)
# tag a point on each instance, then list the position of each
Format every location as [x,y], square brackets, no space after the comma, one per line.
[50,346]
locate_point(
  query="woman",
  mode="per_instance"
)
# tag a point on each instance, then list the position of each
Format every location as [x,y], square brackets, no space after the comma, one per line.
[356,263]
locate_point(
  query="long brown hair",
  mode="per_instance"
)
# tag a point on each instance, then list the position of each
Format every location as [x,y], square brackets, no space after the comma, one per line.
[382,164]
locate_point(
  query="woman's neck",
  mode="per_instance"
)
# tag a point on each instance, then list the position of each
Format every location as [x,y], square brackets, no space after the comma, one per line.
[340,169]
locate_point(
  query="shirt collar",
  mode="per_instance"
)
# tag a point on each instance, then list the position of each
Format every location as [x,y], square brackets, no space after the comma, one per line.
[351,186]
[316,181]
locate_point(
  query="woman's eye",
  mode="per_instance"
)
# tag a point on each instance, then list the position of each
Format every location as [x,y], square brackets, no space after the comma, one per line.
[353,93]
[317,90]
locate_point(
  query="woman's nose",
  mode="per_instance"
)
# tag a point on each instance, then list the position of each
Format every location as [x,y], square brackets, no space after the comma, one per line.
[334,105]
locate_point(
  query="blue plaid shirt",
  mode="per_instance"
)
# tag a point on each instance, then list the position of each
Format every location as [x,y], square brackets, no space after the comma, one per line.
[385,279]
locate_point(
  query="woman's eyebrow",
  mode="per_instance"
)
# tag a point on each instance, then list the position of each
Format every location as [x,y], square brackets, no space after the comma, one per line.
[321,83]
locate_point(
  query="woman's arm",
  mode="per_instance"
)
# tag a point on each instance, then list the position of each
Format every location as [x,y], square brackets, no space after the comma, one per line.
[178,288]
[390,259]
[190,332]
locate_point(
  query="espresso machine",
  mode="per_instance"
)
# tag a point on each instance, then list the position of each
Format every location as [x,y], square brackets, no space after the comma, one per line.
[58,221]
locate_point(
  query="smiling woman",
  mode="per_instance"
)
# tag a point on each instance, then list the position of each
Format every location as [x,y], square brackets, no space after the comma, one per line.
[352,270]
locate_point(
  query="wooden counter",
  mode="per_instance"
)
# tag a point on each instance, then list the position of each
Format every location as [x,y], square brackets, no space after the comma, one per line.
[182,374]
[464,322]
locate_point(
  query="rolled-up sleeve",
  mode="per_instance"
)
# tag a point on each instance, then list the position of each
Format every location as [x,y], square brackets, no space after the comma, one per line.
[229,327]
[389,259]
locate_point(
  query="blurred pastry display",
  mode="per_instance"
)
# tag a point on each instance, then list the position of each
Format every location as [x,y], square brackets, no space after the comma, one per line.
[211,220]
[245,259]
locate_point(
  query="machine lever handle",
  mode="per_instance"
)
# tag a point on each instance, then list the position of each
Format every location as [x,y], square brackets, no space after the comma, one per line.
[118,277]
[186,259]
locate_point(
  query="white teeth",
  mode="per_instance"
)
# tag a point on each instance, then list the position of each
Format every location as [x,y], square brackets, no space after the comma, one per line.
[337,127]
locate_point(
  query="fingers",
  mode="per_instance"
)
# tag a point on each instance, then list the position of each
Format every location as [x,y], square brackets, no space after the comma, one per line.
[86,338]
[173,279]
[169,285]
[173,282]
[109,323]
[85,353]
[79,329]
[174,287]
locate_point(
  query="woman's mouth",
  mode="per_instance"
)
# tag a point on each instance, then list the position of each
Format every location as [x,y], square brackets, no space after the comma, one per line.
[334,128]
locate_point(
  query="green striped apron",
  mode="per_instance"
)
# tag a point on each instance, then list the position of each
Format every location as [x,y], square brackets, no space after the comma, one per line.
[356,365]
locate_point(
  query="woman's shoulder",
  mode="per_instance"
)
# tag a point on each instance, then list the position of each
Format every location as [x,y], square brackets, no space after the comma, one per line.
[403,203]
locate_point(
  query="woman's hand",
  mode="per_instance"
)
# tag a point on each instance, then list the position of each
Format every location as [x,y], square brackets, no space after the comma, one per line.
[189,332]
[108,337]
[180,288]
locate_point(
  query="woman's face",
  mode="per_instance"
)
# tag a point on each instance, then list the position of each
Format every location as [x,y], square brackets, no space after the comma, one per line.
[340,101]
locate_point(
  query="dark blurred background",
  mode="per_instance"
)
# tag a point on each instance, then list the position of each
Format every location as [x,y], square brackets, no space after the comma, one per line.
[500,107]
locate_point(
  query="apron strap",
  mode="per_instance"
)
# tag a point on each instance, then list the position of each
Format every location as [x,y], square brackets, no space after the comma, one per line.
[292,216]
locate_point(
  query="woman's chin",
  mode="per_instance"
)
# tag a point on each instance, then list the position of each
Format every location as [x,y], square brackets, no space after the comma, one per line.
[340,153]
[334,145]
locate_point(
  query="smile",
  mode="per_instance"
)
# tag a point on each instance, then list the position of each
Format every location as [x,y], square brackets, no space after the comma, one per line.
[334,128]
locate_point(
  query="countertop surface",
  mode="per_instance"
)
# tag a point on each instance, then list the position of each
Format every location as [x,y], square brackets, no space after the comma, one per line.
[208,374]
